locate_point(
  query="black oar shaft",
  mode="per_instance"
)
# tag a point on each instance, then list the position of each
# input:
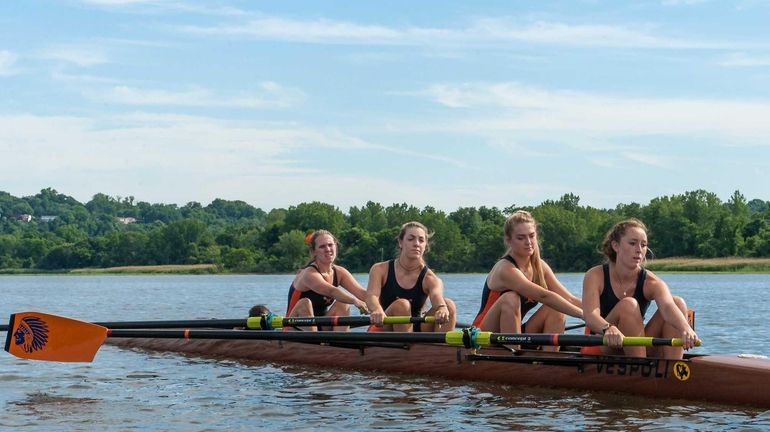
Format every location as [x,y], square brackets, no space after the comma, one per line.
[266,323]
[467,337]
[299,336]
[168,324]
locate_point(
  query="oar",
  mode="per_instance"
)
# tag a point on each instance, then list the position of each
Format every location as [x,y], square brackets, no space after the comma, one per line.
[268,322]
[41,336]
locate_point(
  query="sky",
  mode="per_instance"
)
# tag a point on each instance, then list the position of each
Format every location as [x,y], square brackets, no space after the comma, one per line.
[445,103]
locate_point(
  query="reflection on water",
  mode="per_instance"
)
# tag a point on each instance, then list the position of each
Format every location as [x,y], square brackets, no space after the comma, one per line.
[136,390]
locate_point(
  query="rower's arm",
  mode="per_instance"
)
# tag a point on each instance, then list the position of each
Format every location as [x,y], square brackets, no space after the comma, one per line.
[526,288]
[374,287]
[665,302]
[591,293]
[556,286]
[373,290]
[350,283]
[434,287]
[317,283]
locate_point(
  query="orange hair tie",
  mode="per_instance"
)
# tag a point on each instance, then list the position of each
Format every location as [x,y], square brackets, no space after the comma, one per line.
[308,238]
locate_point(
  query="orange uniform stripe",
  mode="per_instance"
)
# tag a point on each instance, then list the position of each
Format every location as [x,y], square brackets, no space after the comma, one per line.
[491,299]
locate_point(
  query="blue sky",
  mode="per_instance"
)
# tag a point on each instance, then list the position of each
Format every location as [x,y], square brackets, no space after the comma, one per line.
[441,103]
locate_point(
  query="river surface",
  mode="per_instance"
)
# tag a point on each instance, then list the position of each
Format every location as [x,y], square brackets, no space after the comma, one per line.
[126,390]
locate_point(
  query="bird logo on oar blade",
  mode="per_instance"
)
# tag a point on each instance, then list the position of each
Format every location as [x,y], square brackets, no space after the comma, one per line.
[32,334]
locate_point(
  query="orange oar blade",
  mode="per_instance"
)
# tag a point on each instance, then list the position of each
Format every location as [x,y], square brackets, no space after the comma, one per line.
[41,336]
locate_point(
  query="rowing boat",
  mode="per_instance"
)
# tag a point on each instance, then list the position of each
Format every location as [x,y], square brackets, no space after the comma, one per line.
[728,379]
[468,354]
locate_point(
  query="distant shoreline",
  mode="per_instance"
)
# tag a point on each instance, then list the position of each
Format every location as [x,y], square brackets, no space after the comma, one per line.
[663,265]
[710,265]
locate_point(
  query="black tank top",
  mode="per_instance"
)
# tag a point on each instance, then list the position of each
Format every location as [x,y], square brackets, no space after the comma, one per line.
[320,302]
[608,299]
[487,293]
[392,291]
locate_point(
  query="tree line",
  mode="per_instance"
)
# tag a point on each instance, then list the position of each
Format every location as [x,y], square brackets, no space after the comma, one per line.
[60,233]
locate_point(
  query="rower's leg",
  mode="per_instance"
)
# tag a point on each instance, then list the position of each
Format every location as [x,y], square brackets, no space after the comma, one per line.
[303,308]
[449,325]
[628,319]
[339,309]
[546,320]
[658,327]
[400,307]
[504,316]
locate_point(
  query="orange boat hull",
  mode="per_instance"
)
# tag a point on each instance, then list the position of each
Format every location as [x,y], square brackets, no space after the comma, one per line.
[712,378]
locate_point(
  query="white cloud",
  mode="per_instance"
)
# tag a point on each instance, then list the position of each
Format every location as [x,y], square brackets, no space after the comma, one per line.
[119,2]
[8,63]
[83,56]
[648,159]
[268,95]
[174,6]
[745,60]
[512,106]
[189,157]
[496,32]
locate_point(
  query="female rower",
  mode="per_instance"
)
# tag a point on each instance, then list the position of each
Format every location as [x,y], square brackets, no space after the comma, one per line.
[322,288]
[616,296]
[519,281]
[401,286]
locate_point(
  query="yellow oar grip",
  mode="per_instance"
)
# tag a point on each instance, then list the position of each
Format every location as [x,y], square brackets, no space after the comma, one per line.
[254,322]
[454,338]
[677,342]
[477,338]
[647,341]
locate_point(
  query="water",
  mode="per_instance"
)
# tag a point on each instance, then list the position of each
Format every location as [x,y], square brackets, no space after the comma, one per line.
[135,390]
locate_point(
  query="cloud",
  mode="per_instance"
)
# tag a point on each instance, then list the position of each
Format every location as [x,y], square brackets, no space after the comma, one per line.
[119,2]
[83,56]
[174,6]
[267,95]
[512,106]
[745,60]
[180,158]
[8,63]
[493,32]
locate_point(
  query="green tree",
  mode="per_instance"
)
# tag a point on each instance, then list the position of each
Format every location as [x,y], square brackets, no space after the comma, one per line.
[290,251]
[315,215]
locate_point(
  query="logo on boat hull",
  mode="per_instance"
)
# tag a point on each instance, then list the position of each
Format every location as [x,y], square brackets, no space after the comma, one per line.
[31,334]
[681,371]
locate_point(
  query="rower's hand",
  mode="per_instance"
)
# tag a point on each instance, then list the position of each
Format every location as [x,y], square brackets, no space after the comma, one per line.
[614,337]
[377,317]
[362,308]
[441,315]
[689,339]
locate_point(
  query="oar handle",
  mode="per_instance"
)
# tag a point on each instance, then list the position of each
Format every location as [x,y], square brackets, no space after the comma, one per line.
[650,341]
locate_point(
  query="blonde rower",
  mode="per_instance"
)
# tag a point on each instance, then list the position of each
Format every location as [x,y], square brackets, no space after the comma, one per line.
[519,281]
[401,286]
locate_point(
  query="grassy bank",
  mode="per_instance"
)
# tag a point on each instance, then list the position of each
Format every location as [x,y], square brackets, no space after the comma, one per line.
[711,265]
[156,269]
[153,269]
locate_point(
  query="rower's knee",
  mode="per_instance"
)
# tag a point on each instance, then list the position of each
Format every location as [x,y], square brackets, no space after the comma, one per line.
[555,319]
[303,307]
[681,304]
[628,305]
[400,307]
[510,300]
[339,309]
